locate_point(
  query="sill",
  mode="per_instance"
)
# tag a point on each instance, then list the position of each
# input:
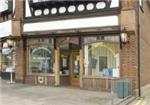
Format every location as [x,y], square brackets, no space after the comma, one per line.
[40,74]
[64,74]
[101,77]
[45,74]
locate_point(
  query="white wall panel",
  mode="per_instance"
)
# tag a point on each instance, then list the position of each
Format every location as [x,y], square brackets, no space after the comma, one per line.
[72,24]
[5,28]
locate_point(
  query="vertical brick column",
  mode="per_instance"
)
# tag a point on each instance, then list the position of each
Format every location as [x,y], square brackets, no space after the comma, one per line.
[20,61]
[128,53]
[17,30]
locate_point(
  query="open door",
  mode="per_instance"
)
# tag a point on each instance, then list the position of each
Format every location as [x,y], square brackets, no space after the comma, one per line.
[69,61]
[74,68]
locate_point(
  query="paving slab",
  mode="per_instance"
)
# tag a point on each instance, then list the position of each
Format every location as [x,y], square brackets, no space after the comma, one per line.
[145,99]
[23,94]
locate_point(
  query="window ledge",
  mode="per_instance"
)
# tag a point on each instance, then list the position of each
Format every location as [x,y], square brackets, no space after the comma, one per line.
[101,77]
[41,74]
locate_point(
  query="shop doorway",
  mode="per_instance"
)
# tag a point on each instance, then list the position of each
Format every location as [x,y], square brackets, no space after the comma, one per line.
[74,68]
[69,59]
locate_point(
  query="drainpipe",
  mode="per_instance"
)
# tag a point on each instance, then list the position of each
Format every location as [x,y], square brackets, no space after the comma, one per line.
[138,49]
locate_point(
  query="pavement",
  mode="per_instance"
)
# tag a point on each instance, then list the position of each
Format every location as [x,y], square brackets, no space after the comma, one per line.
[23,94]
[145,99]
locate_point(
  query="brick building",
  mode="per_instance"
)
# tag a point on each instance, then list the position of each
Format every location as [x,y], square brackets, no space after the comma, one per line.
[78,43]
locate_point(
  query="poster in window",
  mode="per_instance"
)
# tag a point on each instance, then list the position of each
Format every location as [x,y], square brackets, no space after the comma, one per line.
[94,63]
[102,63]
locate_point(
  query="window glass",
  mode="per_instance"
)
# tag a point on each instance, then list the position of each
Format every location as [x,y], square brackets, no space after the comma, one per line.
[7,58]
[69,57]
[101,56]
[7,62]
[3,5]
[41,58]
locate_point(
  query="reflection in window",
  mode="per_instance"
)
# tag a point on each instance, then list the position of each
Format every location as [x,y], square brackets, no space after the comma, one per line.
[41,59]
[7,58]
[64,65]
[3,5]
[7,62]
[101,56]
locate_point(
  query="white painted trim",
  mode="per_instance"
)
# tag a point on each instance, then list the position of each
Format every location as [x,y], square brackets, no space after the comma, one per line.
[14,6]
[72,24]
[27,9]
[114,3]
[5,28]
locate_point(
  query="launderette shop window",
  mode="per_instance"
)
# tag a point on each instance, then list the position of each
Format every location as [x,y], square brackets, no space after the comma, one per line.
[41,56]
[101,56]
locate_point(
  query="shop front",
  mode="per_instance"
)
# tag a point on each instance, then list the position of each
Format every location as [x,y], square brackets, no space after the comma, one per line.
[101,62]
[86,61]
[42,60]
[7,59]
[7,50]
[71,47]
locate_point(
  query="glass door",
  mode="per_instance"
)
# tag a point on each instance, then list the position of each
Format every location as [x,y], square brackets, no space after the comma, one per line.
[74,67]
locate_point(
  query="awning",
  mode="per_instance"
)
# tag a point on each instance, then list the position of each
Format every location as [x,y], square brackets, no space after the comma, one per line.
[115,30]
[9,37]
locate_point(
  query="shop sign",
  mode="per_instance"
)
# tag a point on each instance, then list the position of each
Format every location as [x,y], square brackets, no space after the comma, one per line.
[56,8]
[10,69]
[6,51]
[72,24]
[41,48]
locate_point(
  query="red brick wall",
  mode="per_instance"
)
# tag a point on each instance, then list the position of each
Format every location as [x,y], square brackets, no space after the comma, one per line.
[33,80]
[20,61]
[17,30]
[145,44]
[128,53]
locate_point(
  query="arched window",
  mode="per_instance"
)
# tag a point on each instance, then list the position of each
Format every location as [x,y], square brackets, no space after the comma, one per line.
[101,54]
[41,58]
